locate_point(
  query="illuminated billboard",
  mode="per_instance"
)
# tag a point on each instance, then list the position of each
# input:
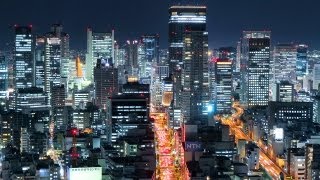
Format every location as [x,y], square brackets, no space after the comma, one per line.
[85,173]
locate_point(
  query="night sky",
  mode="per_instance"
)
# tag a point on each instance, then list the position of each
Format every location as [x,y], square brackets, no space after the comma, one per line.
[289,20]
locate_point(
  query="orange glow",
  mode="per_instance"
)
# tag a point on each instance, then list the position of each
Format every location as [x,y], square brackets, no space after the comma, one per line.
[79,67]
[167,98]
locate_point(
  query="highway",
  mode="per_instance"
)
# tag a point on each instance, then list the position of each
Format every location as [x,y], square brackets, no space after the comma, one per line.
[236,125]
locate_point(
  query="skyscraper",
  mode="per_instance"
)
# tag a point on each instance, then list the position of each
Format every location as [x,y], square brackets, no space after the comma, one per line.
[182,19]
[105,82]
[40,62]
[23,57]
[188,43]
[285,59]
[3,77]
[195,78]
[149,49]
[100,45]
[223,76]
[52,63]
[255,67]
[302,61]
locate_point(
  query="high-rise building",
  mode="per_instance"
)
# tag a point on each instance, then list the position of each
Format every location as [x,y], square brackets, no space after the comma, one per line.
[195,77]
[183,19]
[40,62]
[57,30]
[4,77]
[134,52]
[223,77]
[228,53]
[302,61]
[52,63]
[285,60]
[126,112]
[148,55]
[188,61]
[23,57]
[105,82]
[316,77]
[151,45]
[255,67]
[100,45]
[283,92]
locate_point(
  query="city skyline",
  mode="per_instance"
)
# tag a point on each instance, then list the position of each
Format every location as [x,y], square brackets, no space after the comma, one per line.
[225,22]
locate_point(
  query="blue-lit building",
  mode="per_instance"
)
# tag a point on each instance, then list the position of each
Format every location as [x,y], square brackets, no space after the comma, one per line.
[302,61]
[23,57]
[3,77]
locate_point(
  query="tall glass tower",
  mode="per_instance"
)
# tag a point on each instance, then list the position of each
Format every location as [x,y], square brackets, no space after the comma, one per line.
[23,57]
[255,68]
[285,59]
[302,61]
[183,19]
[100,45]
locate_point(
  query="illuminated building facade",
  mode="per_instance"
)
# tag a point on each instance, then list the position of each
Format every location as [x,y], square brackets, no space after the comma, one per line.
[105,82]
[100,45]
[195,77]
[302,61]
[23,57]
[316,77]
[285,60]
[40,62]
[182,19]
[4,76]
[223,77]
[52,63]
[255,67]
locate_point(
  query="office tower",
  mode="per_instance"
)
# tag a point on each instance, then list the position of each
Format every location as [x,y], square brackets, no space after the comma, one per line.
[151,45]
[316,77]
[186,23]
[195,77]
[120,56]
[228,53]
[163,57]
[23,57]
[57,31]
[127,111]
[105,82]
[302,61]
[283,92]
[52,63]
[31,99]
[148,55]
[285,60]
[255,66]
[297,115]
[132,53]
[100,45]
[183,19]
[223,77]
[58,96]
[80,98]
[4,78]
[39,73]
[238,56]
